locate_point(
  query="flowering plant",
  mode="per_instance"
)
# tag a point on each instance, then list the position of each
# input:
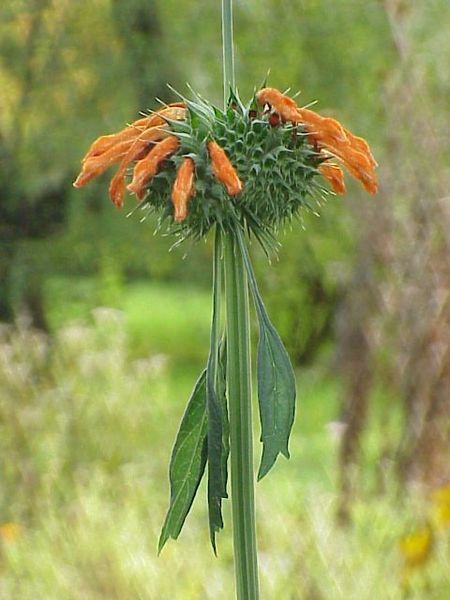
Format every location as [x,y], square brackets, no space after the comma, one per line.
[243,171]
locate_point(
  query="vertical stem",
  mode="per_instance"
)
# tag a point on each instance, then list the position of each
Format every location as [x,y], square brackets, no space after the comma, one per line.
[240,412]
[228,48]
[239,382]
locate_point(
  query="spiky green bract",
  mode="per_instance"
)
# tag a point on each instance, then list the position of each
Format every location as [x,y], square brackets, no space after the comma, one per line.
[276,164]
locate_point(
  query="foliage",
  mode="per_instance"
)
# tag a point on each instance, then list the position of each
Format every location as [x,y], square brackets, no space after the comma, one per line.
[81,498]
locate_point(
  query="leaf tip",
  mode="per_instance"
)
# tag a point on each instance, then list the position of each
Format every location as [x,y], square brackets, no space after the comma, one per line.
[162,541]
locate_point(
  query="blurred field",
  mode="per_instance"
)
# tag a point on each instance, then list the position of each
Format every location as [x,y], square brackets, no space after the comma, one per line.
[87,424]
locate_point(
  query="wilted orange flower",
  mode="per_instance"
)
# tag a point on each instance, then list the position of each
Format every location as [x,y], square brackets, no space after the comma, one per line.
[183,189]
[223,169]
[328,135]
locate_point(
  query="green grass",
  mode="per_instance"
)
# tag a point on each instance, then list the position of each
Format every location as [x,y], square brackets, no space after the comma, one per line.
[86,427]
[158,318]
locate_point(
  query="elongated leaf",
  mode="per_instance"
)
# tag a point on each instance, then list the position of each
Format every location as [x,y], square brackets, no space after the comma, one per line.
[216,416]
[221,394]
[217,487]
[187,463]
[276,394]
[276,381]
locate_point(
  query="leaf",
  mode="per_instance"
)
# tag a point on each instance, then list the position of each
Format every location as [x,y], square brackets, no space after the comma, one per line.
[221,393]
[276,394]
[276,381]
[217,485]
[215,399]
[187,463]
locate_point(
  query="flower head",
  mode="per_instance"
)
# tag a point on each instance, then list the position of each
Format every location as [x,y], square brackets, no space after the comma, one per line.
[256,164]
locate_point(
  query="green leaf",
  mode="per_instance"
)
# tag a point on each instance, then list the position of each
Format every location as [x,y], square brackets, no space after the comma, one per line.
[217,477]
[276,394]
[216,408]
[221,393]
[187,463]
[276,381]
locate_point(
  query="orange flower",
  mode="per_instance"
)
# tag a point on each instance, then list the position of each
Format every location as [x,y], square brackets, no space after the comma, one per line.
[147,167]
[105,142]
[96,165]
[223,169]
[183,189]
[286,107]
[329,135]
[137,151]
[334,175]
[321,128]
[128,145]
[175,112]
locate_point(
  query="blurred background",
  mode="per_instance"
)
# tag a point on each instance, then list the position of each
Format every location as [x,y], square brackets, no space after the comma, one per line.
[103,330]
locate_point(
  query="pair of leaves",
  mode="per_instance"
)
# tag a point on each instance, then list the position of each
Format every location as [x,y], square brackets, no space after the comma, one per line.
[276,380]
[203,436]
[190,455]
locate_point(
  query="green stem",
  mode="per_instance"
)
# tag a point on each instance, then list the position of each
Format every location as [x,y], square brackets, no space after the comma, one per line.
[240,412]
[239,382]
[228,49]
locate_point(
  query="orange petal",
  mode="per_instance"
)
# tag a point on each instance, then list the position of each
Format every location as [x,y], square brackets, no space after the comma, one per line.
[286,107]
[366,177]
[175,112]
[183,189]
[96,165]
[322,128]
[334,175]
[147,168]
[138,149]
[105,142]
[360,144]
[223,170]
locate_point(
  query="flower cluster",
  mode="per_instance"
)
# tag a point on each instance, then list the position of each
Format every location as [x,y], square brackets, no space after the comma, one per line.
[331,138]
[256,164]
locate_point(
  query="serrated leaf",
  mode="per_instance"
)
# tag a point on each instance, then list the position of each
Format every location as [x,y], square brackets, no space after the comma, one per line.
[276,382]
[187,463]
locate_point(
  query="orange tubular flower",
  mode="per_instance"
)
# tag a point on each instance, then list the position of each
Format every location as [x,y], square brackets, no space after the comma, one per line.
[334,175]
[327,134]
[147,167]
[223,169]
[126,146]
[175,112]
[137,151]
[96,165]
[322,128]
[286,107]
[183,189]
[105,142]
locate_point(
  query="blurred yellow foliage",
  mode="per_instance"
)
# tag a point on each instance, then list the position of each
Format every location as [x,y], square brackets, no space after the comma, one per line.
[9,532]
[441,507]
[416,547]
